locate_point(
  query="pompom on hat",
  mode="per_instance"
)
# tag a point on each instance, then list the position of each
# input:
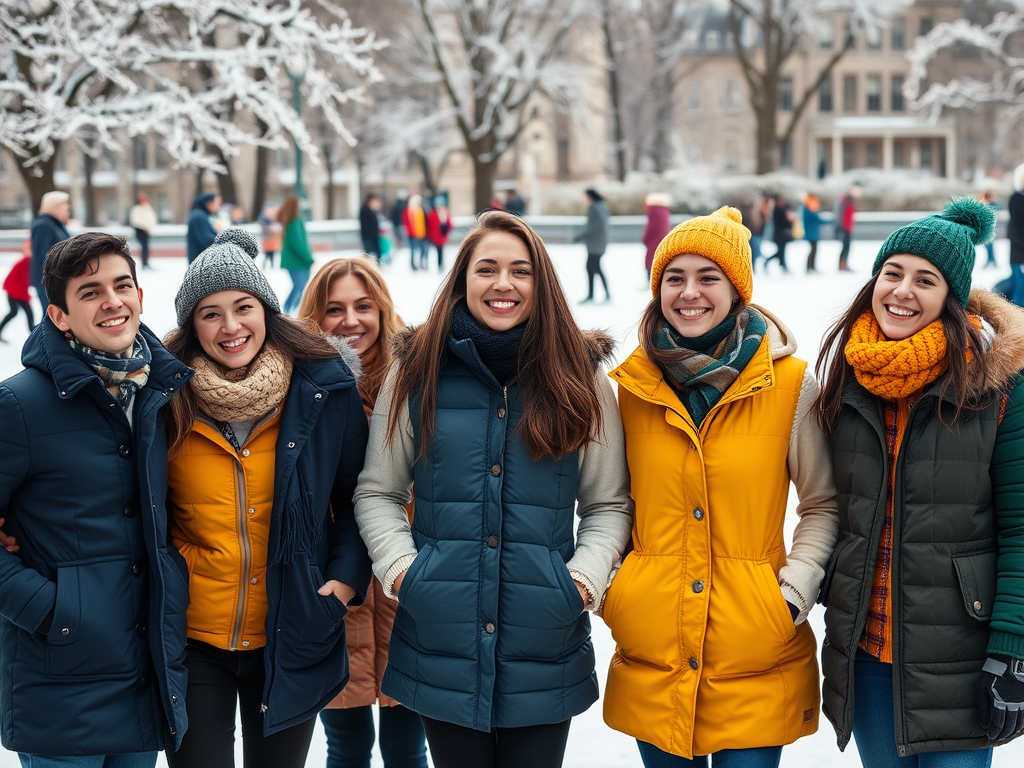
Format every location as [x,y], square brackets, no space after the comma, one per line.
[946,240]
[227,265]
[721,237]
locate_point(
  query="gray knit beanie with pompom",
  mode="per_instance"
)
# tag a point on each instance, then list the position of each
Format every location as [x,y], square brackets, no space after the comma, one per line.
[946,240]
[227,265]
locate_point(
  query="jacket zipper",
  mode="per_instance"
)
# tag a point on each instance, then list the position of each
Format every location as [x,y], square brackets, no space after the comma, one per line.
[243,531]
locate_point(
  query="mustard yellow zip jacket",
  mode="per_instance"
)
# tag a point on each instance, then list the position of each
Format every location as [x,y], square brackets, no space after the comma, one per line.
[708,656]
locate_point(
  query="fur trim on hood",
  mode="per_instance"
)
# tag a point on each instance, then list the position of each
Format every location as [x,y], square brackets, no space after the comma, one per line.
[1003,362]
[599,345]
[349,355]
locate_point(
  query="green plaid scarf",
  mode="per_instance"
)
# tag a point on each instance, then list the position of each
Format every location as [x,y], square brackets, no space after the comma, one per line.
[713,361]
[121,374]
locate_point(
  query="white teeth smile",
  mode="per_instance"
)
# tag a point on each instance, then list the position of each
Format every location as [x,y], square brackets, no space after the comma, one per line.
[693,312]
[502,304]
[114,323]
[352,336]
[900,311]
[235,343]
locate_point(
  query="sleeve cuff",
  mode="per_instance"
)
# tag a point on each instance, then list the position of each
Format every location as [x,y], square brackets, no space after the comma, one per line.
[588,585]
[791,595]
[1007,644]
[401,564]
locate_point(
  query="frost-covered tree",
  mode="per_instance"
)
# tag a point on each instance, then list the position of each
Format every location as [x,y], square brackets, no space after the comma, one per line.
[1000,43]
[188,71]
[766,33]
[490,58]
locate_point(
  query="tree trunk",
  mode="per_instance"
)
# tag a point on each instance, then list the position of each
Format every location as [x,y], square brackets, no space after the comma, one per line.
[660,146]
[619,141]
[484,174]
[429,182]
[259,184]
[328,153]
[226,181]
[766,114]
[88,165]
[38,179]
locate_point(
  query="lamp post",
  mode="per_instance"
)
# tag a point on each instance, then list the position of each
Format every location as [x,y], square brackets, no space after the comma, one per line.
[296,67]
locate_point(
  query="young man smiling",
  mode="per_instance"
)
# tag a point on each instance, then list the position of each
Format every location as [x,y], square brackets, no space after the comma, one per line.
[92,605]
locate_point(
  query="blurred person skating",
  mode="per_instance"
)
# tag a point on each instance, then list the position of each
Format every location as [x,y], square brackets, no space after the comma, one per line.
[369,225]
[92,605]
[1015,234]
[812,229]
[782,231]
[439,227]
[48,229]
[414,219]
[595,237]
[201,225]
[514,203]
[397,219]
[498,419]
[754,212]
[142,218]
[270,229]
[988,197]
[296,252]
[349,298]
[714,659]
[266,442]
[656,205]
[843,220]
[923,403]
[16,286]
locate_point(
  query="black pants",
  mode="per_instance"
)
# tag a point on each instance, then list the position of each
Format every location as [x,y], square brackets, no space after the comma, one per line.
[812,256]
[143,237]
[780,254]
[594,270]
[535,746]
[844,254]
[218,680]
[440,256]
[17,304]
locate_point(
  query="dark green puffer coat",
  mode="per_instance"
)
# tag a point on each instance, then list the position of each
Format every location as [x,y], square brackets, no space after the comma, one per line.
[958,552]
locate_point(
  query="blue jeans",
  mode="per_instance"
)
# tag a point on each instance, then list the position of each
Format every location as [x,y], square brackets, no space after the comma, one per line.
[1017,284]
[874,727]
[299,279]
[132,760]
[757,757]
[350,737]
[418,252]
[755,250]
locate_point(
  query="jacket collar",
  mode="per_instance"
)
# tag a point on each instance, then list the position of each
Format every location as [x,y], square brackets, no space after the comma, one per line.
[48,351]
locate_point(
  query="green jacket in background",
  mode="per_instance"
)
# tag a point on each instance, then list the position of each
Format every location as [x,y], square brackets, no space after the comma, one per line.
[296,252]
[958,546]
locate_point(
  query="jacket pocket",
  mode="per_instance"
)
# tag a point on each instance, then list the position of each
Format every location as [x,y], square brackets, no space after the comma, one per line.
[333,608]
[830,569]
[976,572]
[93,630]
[565,581]
[407,594]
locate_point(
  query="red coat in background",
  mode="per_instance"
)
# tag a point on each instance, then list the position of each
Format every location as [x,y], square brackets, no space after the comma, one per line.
[439,226]
[657,225]
[16,284]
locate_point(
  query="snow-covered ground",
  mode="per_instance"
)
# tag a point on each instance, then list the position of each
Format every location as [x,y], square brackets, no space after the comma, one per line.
[806,303]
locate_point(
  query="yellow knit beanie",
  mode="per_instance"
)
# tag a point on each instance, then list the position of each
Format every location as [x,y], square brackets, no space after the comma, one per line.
[720,237]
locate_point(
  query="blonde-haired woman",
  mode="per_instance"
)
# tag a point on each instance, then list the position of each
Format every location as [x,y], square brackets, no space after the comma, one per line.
[349,298]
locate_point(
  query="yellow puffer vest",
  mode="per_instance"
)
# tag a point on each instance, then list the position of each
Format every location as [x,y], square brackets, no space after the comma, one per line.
[707,656]
[219,503]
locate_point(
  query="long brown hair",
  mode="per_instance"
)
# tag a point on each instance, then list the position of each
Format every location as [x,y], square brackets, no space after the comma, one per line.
[561,409]
[314,308]
[299,339]
[833,371]
[289,210]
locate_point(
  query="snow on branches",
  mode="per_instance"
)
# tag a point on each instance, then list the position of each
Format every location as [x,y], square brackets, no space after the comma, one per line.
[180,69]
[1001,45]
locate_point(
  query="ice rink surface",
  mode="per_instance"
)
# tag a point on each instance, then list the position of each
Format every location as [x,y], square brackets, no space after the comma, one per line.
[807,304]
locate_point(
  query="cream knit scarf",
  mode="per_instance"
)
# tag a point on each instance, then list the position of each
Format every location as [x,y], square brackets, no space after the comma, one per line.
[241,394]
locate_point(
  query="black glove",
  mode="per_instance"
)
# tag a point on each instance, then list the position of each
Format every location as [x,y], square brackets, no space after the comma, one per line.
[1001,700]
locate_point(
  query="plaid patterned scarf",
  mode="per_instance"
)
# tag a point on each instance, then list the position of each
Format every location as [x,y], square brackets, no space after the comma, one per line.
[121,374]
[711,362]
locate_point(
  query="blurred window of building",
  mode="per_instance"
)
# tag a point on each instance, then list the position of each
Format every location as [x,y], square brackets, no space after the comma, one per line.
[926,153]
[873,89]
[826,33]
[849,93]
[897,33]
[786,154]
[924,26]
[897,93]
[785,94]
[825,95]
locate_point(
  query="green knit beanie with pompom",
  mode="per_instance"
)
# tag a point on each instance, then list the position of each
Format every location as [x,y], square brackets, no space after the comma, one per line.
[946,240]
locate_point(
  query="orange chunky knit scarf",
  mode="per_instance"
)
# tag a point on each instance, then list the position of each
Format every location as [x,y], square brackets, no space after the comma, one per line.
[895,369]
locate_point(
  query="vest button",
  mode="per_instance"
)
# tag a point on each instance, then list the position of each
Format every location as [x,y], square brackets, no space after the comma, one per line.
[977,605]
[698,513]
[136,570]
[245,452]
[694,663]
[65,631]
[129,511]
[496,470]
[698,586]
[492,541]
[489,628]
[501,412]
[125,451]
